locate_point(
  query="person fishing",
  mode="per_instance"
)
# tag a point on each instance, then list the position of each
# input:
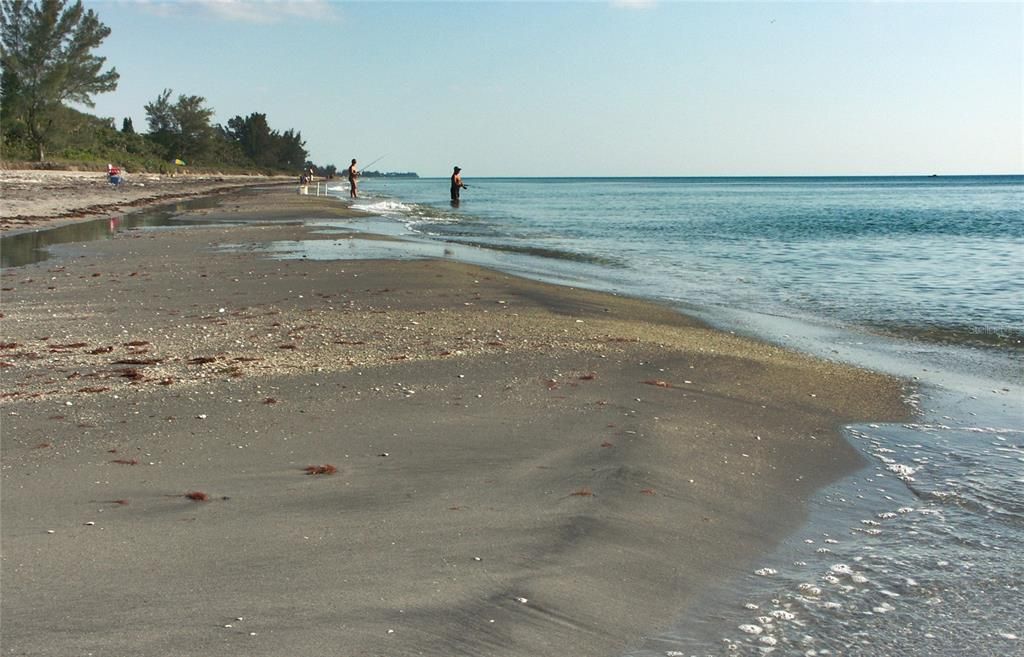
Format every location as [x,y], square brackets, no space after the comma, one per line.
[457,184]
[353,173]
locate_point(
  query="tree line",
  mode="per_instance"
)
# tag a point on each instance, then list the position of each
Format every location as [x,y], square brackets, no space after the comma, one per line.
[47,62]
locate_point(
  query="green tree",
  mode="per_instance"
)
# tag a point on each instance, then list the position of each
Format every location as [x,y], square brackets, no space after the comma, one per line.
[266,147]
[195,133]
[182,128]
[292,153]
[159,116]
[46,55]
[127,127]
[255,137]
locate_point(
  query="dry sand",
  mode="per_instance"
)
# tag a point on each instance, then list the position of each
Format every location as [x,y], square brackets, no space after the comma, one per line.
[522,469]
[31,199]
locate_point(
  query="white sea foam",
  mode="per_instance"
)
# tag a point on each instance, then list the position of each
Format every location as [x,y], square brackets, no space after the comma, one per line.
[750,628]
[902,471]
[385,207]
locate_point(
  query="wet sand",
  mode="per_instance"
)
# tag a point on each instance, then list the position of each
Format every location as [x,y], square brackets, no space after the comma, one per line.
[521,469]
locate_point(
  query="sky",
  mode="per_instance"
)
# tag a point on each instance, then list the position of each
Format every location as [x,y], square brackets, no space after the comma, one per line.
[609,88]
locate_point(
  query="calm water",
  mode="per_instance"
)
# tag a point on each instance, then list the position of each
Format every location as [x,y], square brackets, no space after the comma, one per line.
[919,553]
[934,255]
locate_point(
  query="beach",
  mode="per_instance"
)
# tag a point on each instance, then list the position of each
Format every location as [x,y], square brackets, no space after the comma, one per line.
[36,199]
[209,450]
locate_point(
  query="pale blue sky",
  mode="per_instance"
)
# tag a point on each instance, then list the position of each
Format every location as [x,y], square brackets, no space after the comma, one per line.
[595,88]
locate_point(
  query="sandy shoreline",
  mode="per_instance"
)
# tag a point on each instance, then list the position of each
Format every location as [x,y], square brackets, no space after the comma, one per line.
[522,469]
[33,200]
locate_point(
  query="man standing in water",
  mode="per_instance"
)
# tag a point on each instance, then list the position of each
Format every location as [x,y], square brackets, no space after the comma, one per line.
[353,173]
[457,185]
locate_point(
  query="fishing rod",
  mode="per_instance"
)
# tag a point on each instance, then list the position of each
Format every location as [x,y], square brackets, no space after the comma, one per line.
[366,166]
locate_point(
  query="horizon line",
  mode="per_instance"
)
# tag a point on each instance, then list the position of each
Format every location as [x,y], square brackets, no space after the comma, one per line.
[734,176]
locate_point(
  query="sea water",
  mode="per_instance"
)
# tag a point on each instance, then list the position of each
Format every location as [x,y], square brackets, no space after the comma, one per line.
[920,553]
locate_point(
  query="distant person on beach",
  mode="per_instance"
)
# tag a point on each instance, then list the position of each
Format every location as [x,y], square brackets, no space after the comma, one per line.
[353,173]
[457,184]
[114,176]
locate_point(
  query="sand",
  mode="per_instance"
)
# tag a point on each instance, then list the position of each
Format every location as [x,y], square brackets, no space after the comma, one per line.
[31,199]
[521,469]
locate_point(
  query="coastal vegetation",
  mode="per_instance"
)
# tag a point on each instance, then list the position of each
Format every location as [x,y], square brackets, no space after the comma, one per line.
[48,64]
[388,174]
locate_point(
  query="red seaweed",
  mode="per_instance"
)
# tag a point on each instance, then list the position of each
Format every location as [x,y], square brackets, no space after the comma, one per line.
[326,469]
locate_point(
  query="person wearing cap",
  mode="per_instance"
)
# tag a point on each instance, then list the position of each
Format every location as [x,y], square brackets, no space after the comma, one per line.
[457,183]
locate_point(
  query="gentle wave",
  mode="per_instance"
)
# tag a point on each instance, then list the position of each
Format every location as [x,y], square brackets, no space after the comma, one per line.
[383,207]
[931,260]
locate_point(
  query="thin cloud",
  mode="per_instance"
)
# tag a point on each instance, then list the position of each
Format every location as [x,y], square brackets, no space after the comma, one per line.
[633,4]
[246,11]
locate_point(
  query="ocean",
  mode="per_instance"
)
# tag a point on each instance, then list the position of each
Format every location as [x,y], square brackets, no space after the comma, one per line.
[917,554]
[920,552]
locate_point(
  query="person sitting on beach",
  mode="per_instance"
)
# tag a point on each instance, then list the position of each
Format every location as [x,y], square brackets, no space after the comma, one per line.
[114,175]
[457,184]
[353,173]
